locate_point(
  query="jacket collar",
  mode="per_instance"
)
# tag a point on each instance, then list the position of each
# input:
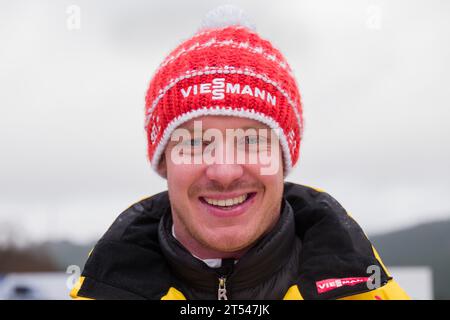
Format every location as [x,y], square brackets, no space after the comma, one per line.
[133,258]
[255,267]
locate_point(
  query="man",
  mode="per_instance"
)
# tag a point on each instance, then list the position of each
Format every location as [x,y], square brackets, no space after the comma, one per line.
[224,126]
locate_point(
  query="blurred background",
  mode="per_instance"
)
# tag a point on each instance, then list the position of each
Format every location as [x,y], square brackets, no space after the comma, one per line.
[374,78]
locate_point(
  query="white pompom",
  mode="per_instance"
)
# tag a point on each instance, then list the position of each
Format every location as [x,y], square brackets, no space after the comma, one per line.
[224,16]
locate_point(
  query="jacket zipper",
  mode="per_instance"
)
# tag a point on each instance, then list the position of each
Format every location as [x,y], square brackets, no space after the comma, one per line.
[222,291]
[223,273]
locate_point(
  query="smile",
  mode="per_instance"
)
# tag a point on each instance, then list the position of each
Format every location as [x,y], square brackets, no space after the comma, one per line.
[227,202]
[230,203]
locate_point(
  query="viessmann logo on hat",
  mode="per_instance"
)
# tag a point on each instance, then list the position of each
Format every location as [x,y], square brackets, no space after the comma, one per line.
[218,88]
[331,284]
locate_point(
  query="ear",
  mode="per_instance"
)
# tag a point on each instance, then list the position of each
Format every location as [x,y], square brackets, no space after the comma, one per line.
[162,166]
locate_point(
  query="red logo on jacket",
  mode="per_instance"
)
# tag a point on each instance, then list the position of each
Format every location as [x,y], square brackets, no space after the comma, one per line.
[331,284]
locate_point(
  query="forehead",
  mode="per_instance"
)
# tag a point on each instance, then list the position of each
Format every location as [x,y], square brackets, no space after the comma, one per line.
[224,122]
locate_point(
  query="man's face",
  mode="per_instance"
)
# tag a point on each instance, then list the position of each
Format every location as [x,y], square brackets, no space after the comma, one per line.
[225,206]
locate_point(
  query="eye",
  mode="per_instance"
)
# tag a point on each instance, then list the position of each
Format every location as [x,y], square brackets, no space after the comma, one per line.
[193,142]
[196,142]
[251,139]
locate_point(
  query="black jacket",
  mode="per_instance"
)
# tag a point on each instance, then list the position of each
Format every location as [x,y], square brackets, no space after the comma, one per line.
[314,240]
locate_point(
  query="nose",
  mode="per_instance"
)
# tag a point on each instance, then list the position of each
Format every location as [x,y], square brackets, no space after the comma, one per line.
[224,174]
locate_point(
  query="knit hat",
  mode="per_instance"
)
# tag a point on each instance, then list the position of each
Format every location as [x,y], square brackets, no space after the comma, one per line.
[225,69]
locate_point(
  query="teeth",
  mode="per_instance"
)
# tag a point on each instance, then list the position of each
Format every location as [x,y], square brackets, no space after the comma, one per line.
[227,202]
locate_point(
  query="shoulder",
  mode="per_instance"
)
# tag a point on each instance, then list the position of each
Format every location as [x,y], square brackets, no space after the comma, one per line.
[119,265]
[303,197]
[138,217]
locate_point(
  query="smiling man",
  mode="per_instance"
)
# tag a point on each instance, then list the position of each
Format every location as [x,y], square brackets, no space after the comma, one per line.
[224,126]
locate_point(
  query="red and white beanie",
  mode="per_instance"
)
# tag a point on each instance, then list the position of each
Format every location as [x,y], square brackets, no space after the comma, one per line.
[225,69]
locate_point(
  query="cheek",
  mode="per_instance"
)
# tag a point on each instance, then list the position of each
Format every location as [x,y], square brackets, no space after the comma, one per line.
[180,178]
[174,172]
[267,168]
[273,185]
[271,179]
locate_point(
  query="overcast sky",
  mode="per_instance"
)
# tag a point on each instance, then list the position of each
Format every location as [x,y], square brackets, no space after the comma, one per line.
[374,77]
